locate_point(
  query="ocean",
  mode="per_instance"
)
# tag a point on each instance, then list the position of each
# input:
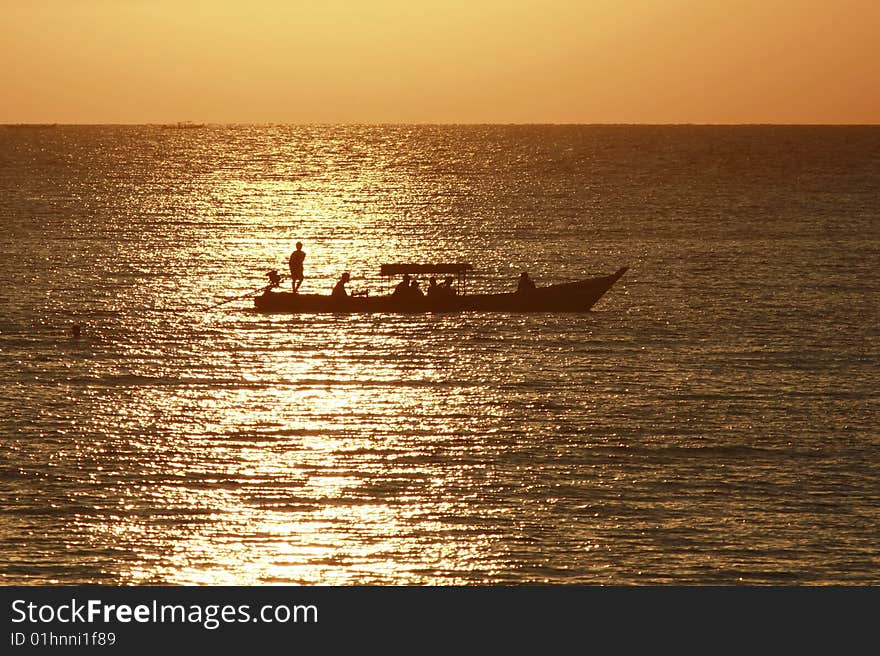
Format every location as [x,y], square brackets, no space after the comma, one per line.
[711,421]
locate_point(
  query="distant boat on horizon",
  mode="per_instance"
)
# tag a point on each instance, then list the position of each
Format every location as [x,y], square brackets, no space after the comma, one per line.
[183,125]
[31,126]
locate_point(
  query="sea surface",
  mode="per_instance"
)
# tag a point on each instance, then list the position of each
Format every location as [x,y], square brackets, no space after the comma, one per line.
[713,419]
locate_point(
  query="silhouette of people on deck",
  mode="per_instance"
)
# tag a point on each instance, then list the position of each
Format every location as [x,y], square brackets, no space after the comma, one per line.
[445,288]
[431,292]
[402,288]
[339,291]
[415,290]
[408,288]
[296,266]
[525,284]
[274,279]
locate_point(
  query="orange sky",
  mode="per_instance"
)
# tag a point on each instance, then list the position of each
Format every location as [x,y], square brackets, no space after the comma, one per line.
[449,61]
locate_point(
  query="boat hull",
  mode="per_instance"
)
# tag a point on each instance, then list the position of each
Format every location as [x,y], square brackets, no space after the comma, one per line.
[568,297]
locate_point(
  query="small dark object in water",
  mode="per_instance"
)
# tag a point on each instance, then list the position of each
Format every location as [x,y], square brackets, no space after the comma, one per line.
[76,330]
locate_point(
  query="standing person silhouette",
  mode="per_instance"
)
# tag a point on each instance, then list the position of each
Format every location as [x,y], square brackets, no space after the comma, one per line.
[296,266]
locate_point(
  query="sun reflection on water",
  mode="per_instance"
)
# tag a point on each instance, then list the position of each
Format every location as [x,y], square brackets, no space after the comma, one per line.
[318,476]
[643,442]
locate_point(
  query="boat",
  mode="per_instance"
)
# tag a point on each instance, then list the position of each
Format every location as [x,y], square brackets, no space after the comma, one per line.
[183,125]
[30,126]
[577,296]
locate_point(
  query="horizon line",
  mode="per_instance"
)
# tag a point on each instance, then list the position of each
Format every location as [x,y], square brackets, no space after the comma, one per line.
[198,124]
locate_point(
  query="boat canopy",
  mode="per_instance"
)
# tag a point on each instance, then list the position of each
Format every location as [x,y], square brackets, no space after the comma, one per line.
[458,268]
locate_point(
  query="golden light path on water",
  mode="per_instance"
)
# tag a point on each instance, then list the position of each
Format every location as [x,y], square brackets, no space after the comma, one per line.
[279,542]
[711,421]
[292,506]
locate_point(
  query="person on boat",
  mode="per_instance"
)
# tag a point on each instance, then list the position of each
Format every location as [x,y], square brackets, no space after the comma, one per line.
[296,266]
[431,292]
[445,288]
[274,281]
[402,288]
[525,284]
[339,291]
[415,290]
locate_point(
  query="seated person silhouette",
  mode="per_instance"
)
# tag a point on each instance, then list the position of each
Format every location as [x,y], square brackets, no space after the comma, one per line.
[525,283]
[402,288]
[339,291]
[445,288]
[431,292]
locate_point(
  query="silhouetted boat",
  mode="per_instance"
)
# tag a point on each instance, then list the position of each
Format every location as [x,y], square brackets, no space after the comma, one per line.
[184,125]
[577,296]
[30,126]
